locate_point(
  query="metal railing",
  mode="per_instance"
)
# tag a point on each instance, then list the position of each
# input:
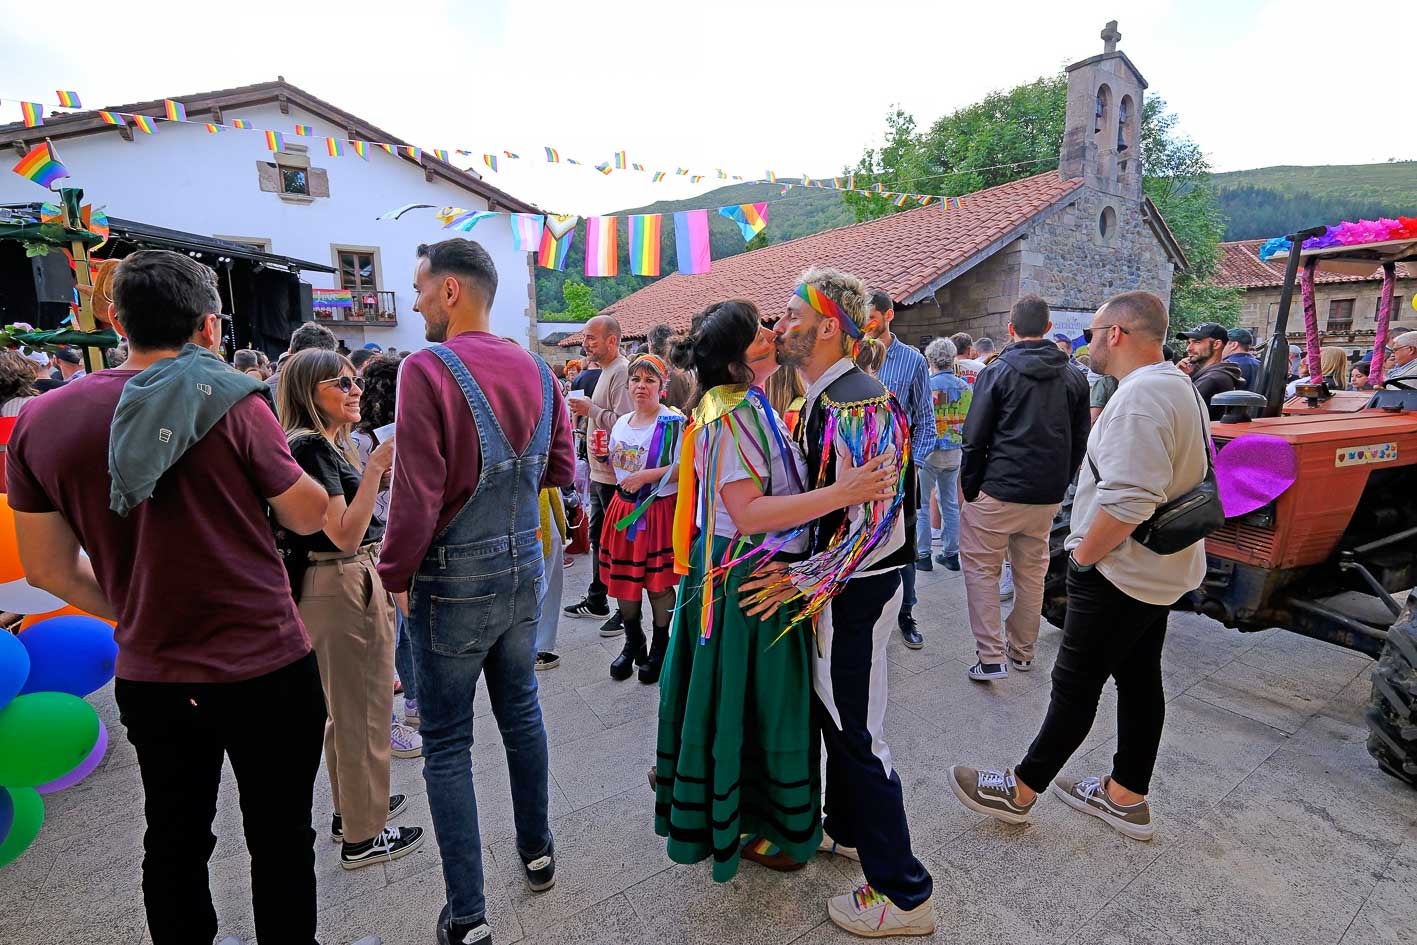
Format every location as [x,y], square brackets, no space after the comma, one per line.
[370,307]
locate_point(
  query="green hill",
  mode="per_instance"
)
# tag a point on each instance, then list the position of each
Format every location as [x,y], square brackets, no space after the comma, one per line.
[1271,201]
[799,212]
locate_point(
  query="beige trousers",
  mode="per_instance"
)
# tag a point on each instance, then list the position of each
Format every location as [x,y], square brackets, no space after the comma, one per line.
[351,623]
[988,529]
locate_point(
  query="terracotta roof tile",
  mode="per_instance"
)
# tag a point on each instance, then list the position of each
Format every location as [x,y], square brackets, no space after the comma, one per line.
[1240,268]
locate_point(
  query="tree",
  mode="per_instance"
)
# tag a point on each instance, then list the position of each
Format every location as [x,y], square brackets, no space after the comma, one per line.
[580,304]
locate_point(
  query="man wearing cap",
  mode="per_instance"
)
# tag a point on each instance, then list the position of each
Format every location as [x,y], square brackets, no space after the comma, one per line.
[69,364]
[1237,352]
[1205,349]
[1402,357]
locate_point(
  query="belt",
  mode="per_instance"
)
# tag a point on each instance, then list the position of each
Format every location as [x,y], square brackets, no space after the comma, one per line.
[332,557]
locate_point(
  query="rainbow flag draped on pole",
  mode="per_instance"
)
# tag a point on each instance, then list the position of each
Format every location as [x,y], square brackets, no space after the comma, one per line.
[556,239]
[527,230]
[176,111]
[750,217]
[42,165]
[691,241]
[645,231]
[602,254]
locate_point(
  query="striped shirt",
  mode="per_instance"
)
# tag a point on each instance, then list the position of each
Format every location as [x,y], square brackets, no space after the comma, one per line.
[903,373]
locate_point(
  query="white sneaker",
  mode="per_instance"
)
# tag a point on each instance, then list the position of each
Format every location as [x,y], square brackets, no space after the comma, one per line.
[1006,584]
[867,913]
[404,742]
[830,846]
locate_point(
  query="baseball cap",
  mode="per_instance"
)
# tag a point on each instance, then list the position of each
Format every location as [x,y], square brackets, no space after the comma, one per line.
[1205,330]
[1242,336]
[69,354]
[371,346]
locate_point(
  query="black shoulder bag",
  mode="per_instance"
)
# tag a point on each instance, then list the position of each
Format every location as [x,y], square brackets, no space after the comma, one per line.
[1188,518]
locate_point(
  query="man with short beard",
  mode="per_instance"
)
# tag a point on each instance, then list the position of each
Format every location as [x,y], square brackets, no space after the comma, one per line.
[1205,349]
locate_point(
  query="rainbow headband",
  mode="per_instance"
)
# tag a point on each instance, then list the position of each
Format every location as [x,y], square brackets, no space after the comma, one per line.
[824,306]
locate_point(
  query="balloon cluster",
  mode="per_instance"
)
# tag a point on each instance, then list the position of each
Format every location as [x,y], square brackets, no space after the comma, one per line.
[50,738]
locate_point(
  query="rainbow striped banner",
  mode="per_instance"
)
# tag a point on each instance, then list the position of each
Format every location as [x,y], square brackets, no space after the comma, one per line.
[490,160]
[213,129]
[602,256]
[461,153]
[176,111]
[240,123]
[691,241]
[388,147]
[658,176]
[750,217]
[335,146]
[441,155]
[604,168]
[68,99]
[511,156]
[144,124]
[619,160]
[113,118]
[526,231]
[360,148]
[553,156]
[645,231]
[42,166]
[304,131]
[903,199]
[681,171]
[275,141]
[33,113]
[556,240]
[410,151]
[718,172]
[637,167]
[696,178]
[771,178]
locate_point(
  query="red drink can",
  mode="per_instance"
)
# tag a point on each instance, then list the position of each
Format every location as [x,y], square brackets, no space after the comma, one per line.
[600,442]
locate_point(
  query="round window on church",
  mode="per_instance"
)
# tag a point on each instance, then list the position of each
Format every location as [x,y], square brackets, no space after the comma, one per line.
[1107,223]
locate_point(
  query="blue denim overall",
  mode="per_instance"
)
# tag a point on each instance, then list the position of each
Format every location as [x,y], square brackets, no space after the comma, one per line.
[474,606]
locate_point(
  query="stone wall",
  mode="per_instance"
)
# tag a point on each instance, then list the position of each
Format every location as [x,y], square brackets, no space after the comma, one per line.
[977,302]
[1261,307]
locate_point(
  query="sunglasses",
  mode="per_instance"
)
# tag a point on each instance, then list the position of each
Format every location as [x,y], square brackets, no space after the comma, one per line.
[346,383]
[1087,332]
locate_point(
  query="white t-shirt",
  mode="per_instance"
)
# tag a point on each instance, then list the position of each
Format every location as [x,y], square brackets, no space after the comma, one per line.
[629,447]
[732,469]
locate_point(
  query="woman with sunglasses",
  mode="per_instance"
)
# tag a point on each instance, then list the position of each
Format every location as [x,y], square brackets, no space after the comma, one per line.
[348,615]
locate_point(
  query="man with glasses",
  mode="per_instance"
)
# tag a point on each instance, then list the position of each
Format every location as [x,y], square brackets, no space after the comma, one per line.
[1023,441]
[1402,357]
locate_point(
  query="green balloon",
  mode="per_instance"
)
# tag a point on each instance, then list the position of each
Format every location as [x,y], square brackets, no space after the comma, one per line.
[43,736]
[29,816]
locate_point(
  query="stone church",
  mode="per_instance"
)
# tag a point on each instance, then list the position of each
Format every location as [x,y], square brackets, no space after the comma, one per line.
[1074,235]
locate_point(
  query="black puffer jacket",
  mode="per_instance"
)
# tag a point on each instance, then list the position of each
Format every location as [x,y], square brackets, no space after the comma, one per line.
[1027,427]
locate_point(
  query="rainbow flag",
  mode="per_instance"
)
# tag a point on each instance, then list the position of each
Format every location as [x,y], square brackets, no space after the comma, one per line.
[511,156]
[851,182]
[441,155]
[602,256]
[836,183]
[572,161]
[335,146]
[902,200]
[737,177]
[389,148]
[240,123]
[658,176]
[645,231]
[144,124]
[41,165]
[750,217]
[213,129]
[461,153]
[33,113]
[69,99]
[360,148]
[275,141]
[553,156]
[638,167]
[112,118]
[176,111]
[561,223]
[718,172]
[304,131]
[490,160]
[771,178]
[807,181]
[604,168]
[696,178]
[556,239]
[681,171]
[878,187]
[691,241]
[619,160]
[410,151]
[526,231]
[925,200]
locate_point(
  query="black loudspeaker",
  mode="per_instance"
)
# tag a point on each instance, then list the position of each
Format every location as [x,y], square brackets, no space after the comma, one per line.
[307,302]
[53,279]
[36,290]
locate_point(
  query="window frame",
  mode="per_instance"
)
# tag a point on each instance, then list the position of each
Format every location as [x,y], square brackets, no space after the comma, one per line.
[1341,324]
[376,265]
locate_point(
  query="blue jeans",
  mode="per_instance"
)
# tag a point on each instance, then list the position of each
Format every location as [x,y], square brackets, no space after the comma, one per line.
[459,637]
[403,658]
[944,480]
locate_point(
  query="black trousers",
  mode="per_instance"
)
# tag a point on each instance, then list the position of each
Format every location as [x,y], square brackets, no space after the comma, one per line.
[600,495]
[181,733]
[1106,634]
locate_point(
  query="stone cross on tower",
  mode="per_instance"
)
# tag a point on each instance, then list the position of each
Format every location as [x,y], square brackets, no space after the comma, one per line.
[1110,37]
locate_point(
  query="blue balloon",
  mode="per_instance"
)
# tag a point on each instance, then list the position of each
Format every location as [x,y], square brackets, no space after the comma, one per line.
[14,668]
[7,813]
[69,654]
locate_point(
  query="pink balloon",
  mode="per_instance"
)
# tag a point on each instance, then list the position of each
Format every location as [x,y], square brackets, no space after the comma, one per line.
[85,768]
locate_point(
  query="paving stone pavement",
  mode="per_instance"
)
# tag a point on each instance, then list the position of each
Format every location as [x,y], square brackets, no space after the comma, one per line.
[1273,825]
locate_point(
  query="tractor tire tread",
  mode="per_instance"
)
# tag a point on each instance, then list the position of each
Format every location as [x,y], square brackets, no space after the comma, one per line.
[1392,709]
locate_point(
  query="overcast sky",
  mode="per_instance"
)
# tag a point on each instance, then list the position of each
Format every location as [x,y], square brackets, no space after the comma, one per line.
[746,86]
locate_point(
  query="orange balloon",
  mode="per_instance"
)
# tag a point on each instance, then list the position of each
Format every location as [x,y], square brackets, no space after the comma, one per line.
[68,610]
[10,567]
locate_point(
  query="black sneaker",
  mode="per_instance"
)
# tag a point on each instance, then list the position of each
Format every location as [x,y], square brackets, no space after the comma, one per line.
[547,660]
[584,608]
[613,627]
[393,843]
[455,933]
[541,872]
[987,672]
[909,633]
[923,563]
[397,802]
[949,562]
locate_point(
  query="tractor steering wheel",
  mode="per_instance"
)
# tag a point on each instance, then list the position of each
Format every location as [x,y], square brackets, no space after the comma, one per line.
[1401,383]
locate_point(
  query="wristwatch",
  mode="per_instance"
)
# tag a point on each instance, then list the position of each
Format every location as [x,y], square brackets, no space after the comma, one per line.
[1073,563]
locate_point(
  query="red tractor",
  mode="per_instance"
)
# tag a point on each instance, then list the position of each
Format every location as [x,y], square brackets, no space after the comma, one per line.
[1330,555]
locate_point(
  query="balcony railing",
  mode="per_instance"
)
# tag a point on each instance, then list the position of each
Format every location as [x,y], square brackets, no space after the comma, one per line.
[374,307]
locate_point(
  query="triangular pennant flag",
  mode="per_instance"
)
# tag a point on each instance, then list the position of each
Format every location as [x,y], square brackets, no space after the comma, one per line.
[750,217]
[691,241]
[526,231]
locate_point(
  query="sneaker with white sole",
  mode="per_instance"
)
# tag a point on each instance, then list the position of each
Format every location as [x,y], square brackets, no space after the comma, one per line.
[392,844]
[830,846]
[584,608]
[869,914]
[541,872]
[455,933]
[1090,796]
[613,627]
[411,718]
[404,742]
[547,660]
[397,802]
[1022,666]
[993,793]
[1006,583]
[986,672]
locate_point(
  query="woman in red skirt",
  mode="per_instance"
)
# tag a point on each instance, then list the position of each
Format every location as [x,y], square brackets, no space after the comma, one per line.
[637,547]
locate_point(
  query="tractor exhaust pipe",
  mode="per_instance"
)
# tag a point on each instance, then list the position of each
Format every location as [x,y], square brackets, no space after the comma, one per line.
[1275,369]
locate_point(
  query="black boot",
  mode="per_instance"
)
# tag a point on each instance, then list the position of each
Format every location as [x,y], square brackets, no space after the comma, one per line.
[634,652]
[649,672]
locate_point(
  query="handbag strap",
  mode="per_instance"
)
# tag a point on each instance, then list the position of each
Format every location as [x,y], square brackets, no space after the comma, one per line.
[1205,436]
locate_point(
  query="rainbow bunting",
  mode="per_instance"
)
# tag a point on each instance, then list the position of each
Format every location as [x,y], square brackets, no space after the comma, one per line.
[511,156]
[33,113]
[645,232]
[925,200]
[389,148]
[412,152]
[836,183]
[658,176]
[69,99]
[602,256]
[304,131]
[878,187]
[902,200]
[603,167]
[556,239]
[718,172]
[144,124]
[572,161]
[490,160]
[41,165]
[112,118]
[696,178]
[807,181]
[441,155]
[619,160]
[360,148]
[526,231]
[176,111]
[96,222]
[335,146]
[638,167]
[553,156]
[275,141]
[851,182]
[771,178]
[737,177]
[750,217]
[461,153]
[691,241]
[240,123]
[681,171]
[213,129]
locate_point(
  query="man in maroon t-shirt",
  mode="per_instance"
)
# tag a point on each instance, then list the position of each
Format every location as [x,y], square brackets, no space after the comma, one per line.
[209,642]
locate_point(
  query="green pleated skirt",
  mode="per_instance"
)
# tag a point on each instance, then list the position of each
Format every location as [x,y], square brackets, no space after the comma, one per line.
[736,752]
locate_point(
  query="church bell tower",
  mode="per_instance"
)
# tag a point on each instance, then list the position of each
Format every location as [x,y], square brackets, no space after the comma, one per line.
[1102,135]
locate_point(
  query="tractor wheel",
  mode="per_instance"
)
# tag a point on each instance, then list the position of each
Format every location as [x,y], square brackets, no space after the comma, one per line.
[1055,584]
[1392,709]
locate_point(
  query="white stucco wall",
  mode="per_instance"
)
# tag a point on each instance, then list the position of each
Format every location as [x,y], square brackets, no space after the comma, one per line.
[187,179]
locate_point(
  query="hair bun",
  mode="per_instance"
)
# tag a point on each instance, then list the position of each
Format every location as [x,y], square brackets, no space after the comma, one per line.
[682,355]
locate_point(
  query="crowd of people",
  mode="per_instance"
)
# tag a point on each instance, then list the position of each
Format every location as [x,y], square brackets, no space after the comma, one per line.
[770,482]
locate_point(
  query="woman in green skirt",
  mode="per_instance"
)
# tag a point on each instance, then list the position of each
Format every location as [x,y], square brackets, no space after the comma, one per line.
[737,772]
